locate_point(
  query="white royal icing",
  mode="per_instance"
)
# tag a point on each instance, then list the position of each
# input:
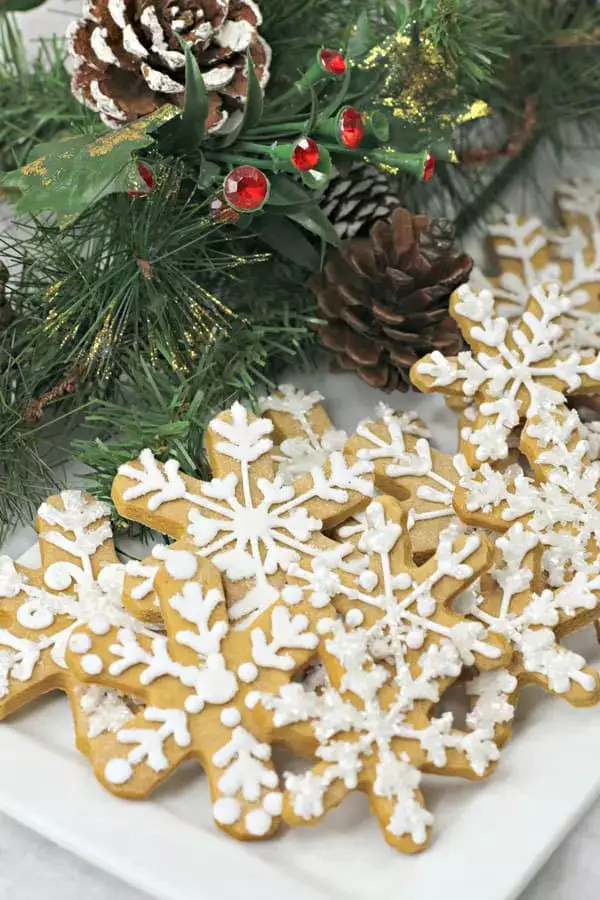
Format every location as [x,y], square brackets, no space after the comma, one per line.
[495,377]
[300,455]
[233,533]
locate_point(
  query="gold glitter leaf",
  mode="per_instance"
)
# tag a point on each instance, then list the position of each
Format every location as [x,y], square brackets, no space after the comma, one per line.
[69,176]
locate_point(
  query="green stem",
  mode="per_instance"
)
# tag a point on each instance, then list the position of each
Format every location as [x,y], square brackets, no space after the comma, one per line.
[285,127]
[235,159]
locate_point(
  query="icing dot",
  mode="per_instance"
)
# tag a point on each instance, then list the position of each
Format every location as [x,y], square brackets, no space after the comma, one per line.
[181,564]
[231,717]
[247,672]
[415,639]
[272,803]
[292,594]
[324,626]
[226,810]
[258,822]
[80,643]
[252,698]
[99,624]
[368,580]
[118,771]
[193,704]
[92,664]
[402,581]
[319,599]
[354,618]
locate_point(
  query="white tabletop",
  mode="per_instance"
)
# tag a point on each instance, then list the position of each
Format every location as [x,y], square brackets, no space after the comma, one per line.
[31,866]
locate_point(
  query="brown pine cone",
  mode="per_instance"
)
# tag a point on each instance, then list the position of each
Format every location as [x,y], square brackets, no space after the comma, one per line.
[385,298]
[129,62]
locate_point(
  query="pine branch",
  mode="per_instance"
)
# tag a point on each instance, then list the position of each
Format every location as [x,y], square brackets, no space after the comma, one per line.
[161,408]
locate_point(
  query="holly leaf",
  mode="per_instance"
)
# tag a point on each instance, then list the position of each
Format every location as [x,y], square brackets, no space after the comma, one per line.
[68,176]
[288,241]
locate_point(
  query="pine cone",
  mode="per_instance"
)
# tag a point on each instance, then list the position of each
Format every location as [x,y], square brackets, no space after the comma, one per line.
[129,62]
[354,200]
[386,298]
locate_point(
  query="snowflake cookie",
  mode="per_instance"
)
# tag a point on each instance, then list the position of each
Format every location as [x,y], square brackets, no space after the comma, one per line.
[305,434]
[407,467]
[558,509]
[80,581]
[512,601]
[194,682]
[396,648]
[513,370]
[529,255]
[248,520]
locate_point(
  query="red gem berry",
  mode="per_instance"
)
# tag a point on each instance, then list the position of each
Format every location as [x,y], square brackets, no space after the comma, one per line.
[246,188]
[429,167]
[352,128]
[333,62]
[221,212]
[305,154]
[147,176]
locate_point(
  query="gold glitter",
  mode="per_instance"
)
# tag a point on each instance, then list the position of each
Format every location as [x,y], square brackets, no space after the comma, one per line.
[106,143]
[37,167]
[479,109]
[420,83]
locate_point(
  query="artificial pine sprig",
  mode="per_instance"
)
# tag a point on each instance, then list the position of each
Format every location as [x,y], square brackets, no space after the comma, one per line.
[65,178]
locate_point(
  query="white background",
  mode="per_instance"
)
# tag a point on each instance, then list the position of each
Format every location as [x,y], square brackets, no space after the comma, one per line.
[31,866]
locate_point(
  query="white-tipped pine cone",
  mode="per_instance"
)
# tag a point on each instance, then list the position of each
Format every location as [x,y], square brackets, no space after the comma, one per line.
[129,62]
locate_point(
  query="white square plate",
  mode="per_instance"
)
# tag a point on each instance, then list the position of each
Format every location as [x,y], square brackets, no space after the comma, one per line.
[489,837]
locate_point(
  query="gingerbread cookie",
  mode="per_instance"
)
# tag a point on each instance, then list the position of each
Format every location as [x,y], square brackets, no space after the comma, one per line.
[196,680]
[512,601]
[529,254]
[247,520]
[304,432]
[80,581]
[513,370]
[558,508]
[397,647]
[421,478]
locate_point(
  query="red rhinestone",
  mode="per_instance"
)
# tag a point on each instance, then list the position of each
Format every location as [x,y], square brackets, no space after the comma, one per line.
[305,154]
[221,212]
[429,167]
[352,128]
[147,176]
[332,61]
[246,188]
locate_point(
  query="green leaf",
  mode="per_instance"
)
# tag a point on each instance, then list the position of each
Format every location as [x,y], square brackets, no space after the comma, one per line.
[67,177]
[361,40]
[286,195]
[253,109]
[288,241]
[315,221]
[12,6]
[192,126]
[401,15]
